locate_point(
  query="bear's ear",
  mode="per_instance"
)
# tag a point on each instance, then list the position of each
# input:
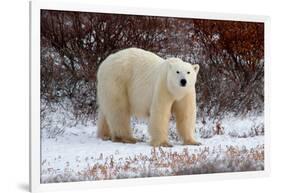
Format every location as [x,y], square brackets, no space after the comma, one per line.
[196,68]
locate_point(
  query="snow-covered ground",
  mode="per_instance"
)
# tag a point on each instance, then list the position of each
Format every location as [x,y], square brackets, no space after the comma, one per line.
[76,154]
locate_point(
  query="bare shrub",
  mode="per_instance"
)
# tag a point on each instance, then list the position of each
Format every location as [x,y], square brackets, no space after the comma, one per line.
[230,54]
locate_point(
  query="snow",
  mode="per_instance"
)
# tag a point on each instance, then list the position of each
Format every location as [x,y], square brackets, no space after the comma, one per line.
[69,155]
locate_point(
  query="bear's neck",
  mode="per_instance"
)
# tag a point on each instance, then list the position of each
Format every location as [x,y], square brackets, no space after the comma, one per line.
[162,86]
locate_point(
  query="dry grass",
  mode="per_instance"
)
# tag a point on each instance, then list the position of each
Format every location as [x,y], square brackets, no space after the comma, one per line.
[164,162]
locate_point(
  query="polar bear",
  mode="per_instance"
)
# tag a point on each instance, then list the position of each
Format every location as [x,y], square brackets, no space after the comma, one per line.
[135,82]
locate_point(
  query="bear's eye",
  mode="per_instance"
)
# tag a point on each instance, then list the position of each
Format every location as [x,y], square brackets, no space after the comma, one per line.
[178,72]
[188,72]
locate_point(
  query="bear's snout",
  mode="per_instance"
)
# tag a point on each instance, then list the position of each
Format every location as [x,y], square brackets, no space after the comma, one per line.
[183,82]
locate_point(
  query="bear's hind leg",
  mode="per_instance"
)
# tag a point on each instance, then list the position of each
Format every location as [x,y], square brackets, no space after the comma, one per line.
[119,124]
[113,99]
[103,129]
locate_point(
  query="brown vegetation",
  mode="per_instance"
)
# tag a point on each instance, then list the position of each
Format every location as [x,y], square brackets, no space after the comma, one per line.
[230,53]
[164,163]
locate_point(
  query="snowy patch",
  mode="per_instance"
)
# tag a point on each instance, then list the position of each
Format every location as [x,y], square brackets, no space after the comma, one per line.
[76,154]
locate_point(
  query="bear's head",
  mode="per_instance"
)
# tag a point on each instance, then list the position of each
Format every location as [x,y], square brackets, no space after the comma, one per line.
[181,77]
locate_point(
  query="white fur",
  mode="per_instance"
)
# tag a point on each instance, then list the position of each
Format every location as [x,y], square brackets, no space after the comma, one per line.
[137,82]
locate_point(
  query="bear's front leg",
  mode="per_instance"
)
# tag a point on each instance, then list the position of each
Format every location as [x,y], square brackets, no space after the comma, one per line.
[185,111]
[158,129]
[159,122]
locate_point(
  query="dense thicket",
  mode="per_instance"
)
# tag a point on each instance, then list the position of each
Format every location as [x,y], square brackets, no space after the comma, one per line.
[230,54]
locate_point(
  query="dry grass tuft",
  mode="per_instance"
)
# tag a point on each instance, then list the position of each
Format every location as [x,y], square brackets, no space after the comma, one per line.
[164,162]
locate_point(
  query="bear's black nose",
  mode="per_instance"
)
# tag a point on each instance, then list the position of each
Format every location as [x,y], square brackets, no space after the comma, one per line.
[183,82]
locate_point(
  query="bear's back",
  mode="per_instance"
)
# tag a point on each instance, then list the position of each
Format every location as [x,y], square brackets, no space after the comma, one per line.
[135,70]
[130,63]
